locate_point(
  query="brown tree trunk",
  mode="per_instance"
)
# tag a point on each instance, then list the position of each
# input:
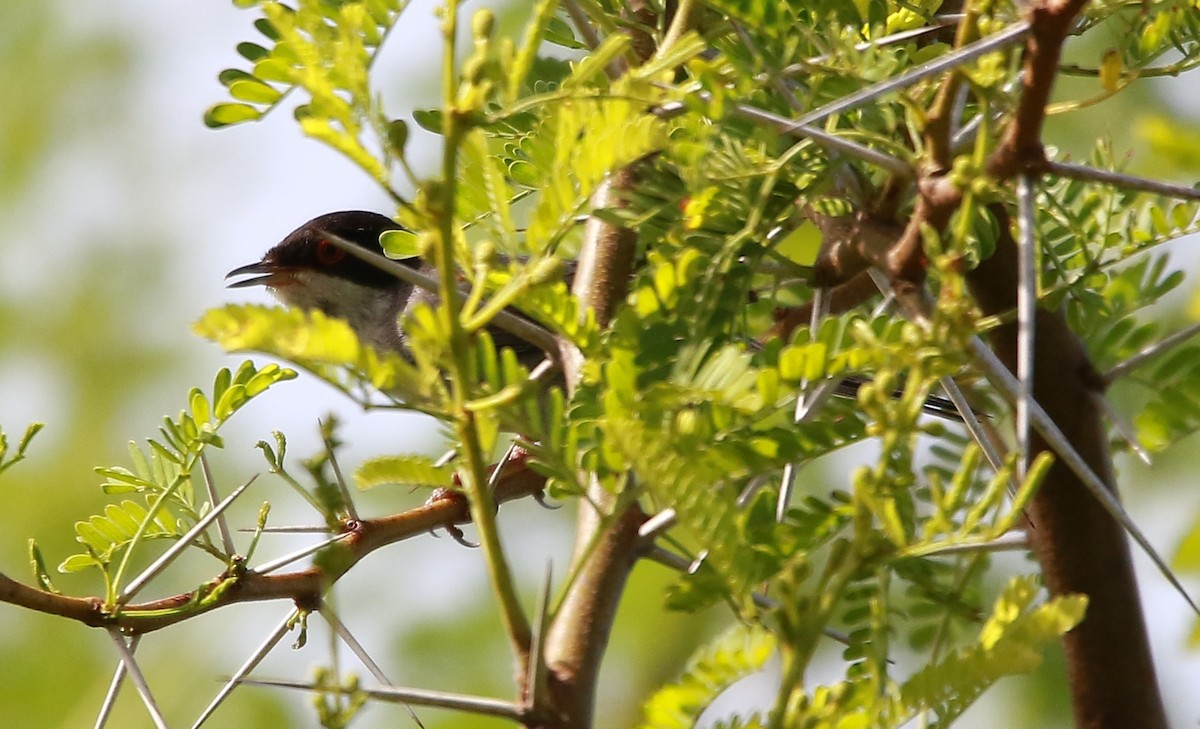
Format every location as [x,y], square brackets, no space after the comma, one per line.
[1081,548]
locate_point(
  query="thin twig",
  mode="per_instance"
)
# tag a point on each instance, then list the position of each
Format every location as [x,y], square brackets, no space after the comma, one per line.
[784,125]
[347,501]
[787,485]
[361,653]
[480,499]
[1011,542]
[974,428]
[953,59]
[298,554]
[185,541]
[298,529]
[211,488]
[1120,179]
[940,23]
[417,697]
[1151,352]
[680,24]
[537,672]
[657,525]
[590,38]
[352,643]
[135,675]
[114,687]
[446,458]
[498,469]
[251,663]
[302,586]
[1027,301]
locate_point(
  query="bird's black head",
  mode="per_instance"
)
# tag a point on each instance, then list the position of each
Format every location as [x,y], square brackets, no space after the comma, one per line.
[307,251]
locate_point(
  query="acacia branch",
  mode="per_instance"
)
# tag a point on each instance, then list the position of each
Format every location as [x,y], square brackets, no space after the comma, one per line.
[1081,548]
[606,536]
[303,587]
[1051,23]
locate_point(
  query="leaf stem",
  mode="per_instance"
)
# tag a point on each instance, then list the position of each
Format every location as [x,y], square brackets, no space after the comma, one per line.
[481,503]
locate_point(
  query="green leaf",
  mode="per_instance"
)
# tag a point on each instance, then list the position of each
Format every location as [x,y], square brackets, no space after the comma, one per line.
[737,653]
[595,64]
[397,136]
[403,470]
[560,33]
[30,432]
[251,51]
[274,70]
[232,75]
[262,24]
[223,115]
[685,48]
[429,119]
[1010,642]
[535,32]
[324,346]
[79,563]
[400,245]
[1187,556]
[254,91]
[40,572]
[201,411]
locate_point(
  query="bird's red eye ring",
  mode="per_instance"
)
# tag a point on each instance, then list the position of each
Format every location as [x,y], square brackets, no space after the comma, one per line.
[328,254]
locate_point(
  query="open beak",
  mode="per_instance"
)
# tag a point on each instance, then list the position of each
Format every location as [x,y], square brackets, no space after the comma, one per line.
[273,275]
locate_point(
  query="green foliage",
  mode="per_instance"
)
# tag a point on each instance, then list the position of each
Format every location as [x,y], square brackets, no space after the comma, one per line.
[1100,248]
[162,475]
[326,49]
[1144,35]
[1187,558]
[737,653]
[673,409]
[326,347]
[1008,644]
[337,702]
[685,401]
[1174,383]
[405,470]
[7,461]
[1088,232]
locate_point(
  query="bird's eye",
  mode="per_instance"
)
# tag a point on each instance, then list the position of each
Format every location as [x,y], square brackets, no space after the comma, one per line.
[328,254]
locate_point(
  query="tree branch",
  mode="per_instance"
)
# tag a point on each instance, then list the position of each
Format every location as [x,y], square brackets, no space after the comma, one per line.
[1081,548]
[303,587]
[606,536]
[1051,22]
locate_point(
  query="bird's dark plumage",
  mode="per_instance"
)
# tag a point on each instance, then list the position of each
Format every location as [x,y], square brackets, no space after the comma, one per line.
[308,248]
[307,270]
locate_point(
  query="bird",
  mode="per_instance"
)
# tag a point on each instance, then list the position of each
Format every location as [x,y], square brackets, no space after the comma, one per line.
[307,270]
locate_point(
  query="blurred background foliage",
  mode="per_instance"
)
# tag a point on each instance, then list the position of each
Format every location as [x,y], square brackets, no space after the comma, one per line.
[121,213]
